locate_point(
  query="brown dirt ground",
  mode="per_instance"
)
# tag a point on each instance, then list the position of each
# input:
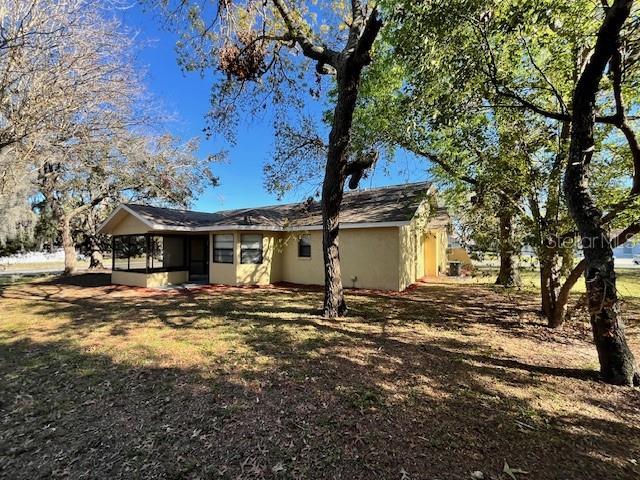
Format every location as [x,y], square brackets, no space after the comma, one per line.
[107,382]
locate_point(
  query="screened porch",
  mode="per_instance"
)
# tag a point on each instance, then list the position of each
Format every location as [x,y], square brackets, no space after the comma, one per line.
[157,259]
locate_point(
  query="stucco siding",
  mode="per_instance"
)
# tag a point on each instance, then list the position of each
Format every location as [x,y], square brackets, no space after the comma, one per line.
[236,273]
[258,274]
[224,273]
[305,271]
[407,257]
[368,258]
[129,225]
[132,279]
[149,280]
[158,279]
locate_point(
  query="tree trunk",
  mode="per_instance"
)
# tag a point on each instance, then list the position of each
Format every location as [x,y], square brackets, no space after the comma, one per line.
[617,364]
[69,247]
[549,281]
[96,253]
[508,276]
[348,79]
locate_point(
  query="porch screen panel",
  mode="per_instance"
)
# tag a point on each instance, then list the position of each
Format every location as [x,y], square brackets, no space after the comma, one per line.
[137,252]
[251,248]
[121,253]
[156,253]
[174,252]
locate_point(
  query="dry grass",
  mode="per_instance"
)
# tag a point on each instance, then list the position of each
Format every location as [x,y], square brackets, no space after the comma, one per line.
[112,382]
[627,281]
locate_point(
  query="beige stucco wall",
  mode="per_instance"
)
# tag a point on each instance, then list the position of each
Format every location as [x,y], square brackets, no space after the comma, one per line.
[371,255]
[407,256]
[224,273]
[368,258]
[423,251]
[132,279]
[260,274]
[236,273]
[305,271]
[156,279]
[129,225]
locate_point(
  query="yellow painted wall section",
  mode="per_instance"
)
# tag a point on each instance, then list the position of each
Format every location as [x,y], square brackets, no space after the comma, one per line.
[406,257]
[368,258]
[149,280]
[258,274]
[133,279]
[442,251]
[129,225]
[158,279]
[224,273]
[305,271]
[459,254]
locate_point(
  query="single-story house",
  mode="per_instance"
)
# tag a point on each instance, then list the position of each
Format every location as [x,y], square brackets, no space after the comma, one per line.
[389,238]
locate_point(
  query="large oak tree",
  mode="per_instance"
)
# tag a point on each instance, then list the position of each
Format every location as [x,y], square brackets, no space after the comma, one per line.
[263,51]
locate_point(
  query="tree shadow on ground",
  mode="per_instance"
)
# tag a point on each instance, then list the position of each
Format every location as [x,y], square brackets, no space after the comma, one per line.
[356,398]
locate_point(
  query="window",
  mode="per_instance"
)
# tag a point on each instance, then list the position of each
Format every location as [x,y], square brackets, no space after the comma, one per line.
[223,248]
[251,249]
[304,246]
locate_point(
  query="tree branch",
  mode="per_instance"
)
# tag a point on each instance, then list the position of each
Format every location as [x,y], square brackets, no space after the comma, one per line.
[622,124]
[322,54]
[357,168]
[362,53]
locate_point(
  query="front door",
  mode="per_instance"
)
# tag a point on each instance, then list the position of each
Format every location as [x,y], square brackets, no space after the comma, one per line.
[198,259]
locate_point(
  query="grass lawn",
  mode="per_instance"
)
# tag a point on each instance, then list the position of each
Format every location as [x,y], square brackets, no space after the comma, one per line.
[107,382]
[627,281]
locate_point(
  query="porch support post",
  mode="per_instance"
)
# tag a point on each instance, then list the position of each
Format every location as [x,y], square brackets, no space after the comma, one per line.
[147,243]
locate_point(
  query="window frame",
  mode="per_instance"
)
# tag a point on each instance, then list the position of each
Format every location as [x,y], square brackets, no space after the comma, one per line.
[232,249]
[300,246]
[260,250]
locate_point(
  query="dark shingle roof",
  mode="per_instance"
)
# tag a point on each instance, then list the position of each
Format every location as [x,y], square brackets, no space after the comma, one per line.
[388,204]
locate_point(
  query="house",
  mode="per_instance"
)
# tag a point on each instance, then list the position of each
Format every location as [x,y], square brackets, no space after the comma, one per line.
[389,238]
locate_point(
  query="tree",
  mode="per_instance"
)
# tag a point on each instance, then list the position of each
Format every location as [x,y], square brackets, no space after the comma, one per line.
[480,58]
[87,176]
[474,151]
[65,71]
[533,56]
[617,363]
[257,45]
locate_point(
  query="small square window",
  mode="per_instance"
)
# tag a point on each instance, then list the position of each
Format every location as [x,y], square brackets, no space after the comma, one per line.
[304,246]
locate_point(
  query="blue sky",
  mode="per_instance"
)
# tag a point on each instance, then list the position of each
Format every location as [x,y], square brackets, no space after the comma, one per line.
[186,97]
